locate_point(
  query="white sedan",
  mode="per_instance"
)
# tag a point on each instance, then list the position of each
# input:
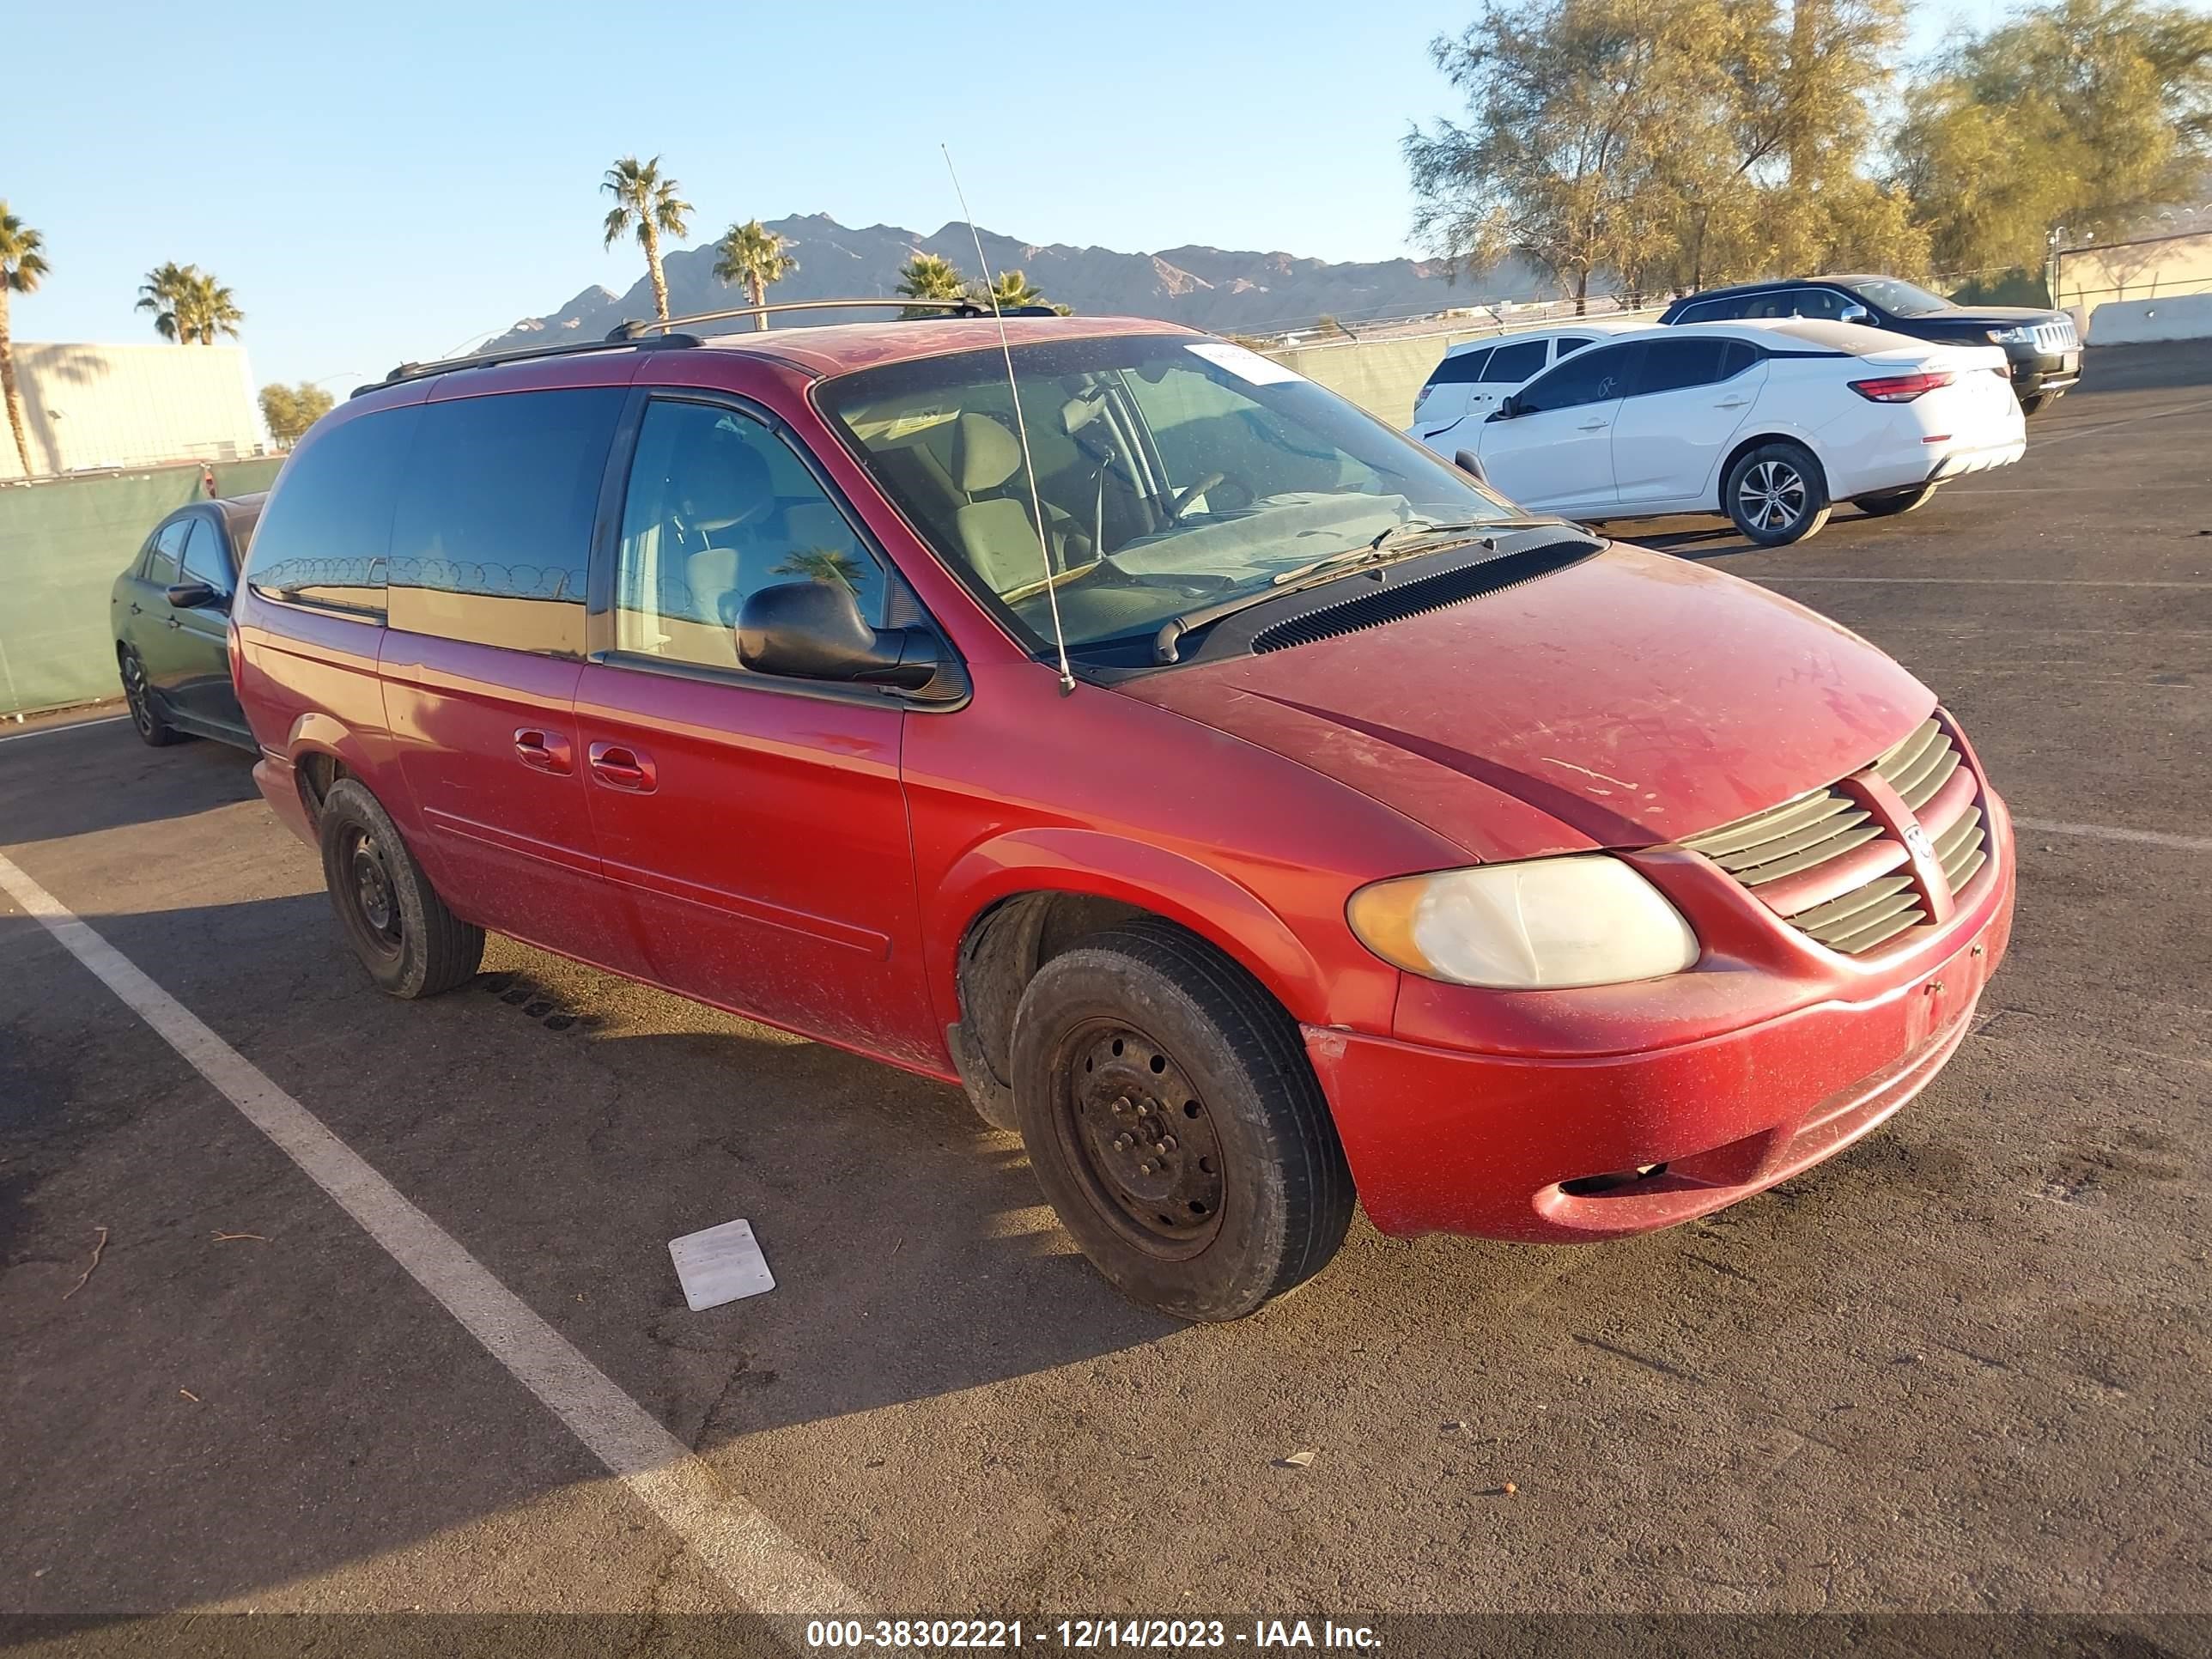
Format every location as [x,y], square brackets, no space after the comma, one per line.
[1770,423]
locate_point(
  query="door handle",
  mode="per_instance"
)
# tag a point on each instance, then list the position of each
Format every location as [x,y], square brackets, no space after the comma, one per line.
[544,751]
[1594,426]
[135,609]
[619,767]
[174,623]
[1732,403]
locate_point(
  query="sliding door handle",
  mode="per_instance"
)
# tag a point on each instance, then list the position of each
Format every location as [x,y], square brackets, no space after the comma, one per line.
[544,751]
[620,767]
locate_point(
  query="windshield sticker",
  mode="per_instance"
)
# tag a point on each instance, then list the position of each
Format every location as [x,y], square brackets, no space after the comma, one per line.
[1247,366]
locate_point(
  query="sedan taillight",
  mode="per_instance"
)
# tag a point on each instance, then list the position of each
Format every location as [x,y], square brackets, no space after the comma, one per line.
[1900,388]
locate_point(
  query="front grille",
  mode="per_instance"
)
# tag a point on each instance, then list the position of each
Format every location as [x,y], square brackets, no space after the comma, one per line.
[1834,871]
[2057,336]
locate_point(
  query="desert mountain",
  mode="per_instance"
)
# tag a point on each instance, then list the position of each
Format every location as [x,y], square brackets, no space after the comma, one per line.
[1208,288]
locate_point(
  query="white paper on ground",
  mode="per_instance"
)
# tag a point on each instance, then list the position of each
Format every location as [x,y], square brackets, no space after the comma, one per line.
[720,1264]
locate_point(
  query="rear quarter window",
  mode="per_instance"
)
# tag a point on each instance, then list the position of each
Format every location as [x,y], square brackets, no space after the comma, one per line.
[1511,364]
[326,529]
[492,535]
[1463,368]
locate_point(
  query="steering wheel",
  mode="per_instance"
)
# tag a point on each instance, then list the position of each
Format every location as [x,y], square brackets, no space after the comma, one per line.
[1176,507]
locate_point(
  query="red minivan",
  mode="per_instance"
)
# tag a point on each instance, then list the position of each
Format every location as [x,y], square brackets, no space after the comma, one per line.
[1248,808]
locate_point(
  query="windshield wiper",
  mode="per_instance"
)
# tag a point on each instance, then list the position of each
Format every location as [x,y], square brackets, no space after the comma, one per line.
[1326,569]
[1368,552]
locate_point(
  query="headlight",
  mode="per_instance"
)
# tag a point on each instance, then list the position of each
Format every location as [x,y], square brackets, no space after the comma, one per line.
[2021,335]
[1587,919]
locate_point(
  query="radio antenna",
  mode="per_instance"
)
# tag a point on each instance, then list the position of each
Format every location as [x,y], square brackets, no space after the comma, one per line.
[1021,427]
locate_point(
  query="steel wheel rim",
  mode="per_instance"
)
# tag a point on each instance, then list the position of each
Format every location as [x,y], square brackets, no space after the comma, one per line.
[371,895]
[1141,1139]
[134,694]
[1772,495]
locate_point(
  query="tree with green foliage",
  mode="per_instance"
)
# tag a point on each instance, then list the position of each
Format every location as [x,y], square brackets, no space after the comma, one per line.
[2076,115]
[929,276]
[290,411]
[652,206]
[1010,288]
[23,263]
[753,254]
[189,305]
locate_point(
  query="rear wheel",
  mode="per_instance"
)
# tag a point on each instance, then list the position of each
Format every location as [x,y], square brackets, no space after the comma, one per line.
[1175,1124]
[145,715]
[1777,494]
[1891,502]
[411,943]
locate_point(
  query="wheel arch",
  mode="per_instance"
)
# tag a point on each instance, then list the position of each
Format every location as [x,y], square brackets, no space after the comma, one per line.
[1769,435]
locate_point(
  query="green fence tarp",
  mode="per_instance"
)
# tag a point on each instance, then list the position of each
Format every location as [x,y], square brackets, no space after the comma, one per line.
[62,543]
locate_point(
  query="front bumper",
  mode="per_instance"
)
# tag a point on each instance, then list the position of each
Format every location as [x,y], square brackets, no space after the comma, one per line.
[2045,374]
[1520,1146]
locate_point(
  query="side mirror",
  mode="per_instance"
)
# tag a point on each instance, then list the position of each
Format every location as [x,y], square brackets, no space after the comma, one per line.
[190,596]
[1471,464]
[814,631]
[1508,407]
[1854,314]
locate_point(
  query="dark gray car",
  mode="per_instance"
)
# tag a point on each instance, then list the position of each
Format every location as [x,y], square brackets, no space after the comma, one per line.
[170,613]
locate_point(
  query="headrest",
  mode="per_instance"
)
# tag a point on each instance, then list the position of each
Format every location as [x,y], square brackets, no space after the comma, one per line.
[723,480]
[984,454]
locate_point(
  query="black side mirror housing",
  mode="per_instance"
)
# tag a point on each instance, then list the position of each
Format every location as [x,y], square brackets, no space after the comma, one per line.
[190,596]
[1471,464]
[1508,407]
[814,630]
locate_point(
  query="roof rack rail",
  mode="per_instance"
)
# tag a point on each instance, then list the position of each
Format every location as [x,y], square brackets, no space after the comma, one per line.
[406,371]
[629,332]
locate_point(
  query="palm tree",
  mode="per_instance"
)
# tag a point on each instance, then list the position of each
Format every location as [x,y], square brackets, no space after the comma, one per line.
[753,254]
[646,200]
[822,565]
[167,292]
[21,264]
[211,308]
[1011,290]
[189,305]
[928,276]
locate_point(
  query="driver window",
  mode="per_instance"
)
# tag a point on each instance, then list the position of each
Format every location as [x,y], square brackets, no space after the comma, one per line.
[1588,377]
[718,507]
[203,560]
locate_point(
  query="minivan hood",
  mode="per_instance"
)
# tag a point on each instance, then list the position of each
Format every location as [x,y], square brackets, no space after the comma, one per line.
[1625,701]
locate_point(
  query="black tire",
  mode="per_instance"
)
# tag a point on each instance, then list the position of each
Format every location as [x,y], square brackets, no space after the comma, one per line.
[411,943]
[2035,404]
[146,718]
[1246,1194]
[1776,494]
[1891,502]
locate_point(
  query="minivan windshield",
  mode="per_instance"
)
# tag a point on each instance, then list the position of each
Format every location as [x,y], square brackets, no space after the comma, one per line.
[1900,299]
[1172,473]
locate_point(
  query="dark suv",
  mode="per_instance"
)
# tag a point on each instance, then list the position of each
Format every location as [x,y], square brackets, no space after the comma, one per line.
[2043,346]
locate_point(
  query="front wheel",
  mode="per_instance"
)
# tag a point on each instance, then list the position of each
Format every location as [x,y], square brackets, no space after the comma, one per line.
[1776,494]
[411,943]
[1891,502]
[1175,1124]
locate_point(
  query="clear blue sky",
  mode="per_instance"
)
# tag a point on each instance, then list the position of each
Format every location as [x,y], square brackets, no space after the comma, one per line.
[391,185]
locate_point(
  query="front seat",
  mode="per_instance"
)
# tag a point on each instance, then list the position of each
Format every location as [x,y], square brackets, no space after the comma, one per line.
[994,531]
[723,496]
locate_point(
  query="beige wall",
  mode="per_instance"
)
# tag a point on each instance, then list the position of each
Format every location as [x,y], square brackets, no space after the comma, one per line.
[92,406]
[2169,265]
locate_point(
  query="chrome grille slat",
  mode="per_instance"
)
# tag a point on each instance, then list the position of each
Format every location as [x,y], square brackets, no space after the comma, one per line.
[1814,830]
[1823,919]
[1759,875]
[1722,844]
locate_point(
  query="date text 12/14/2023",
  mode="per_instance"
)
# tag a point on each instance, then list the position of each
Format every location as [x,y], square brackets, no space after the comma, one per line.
[1080,1635]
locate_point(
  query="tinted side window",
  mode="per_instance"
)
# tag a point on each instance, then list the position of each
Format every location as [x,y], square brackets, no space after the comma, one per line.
[1464,369]
[493,534]
[1737,355]
[1676,365]
[1566,345]
[1510,364]
[1588,377]
[168,546]
[204,558]
[1715,311]
[325,531]
[718,507]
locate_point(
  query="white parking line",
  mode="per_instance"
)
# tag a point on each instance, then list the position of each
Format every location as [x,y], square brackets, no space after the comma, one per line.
[754,1557]
[2112,832]
[68,726]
